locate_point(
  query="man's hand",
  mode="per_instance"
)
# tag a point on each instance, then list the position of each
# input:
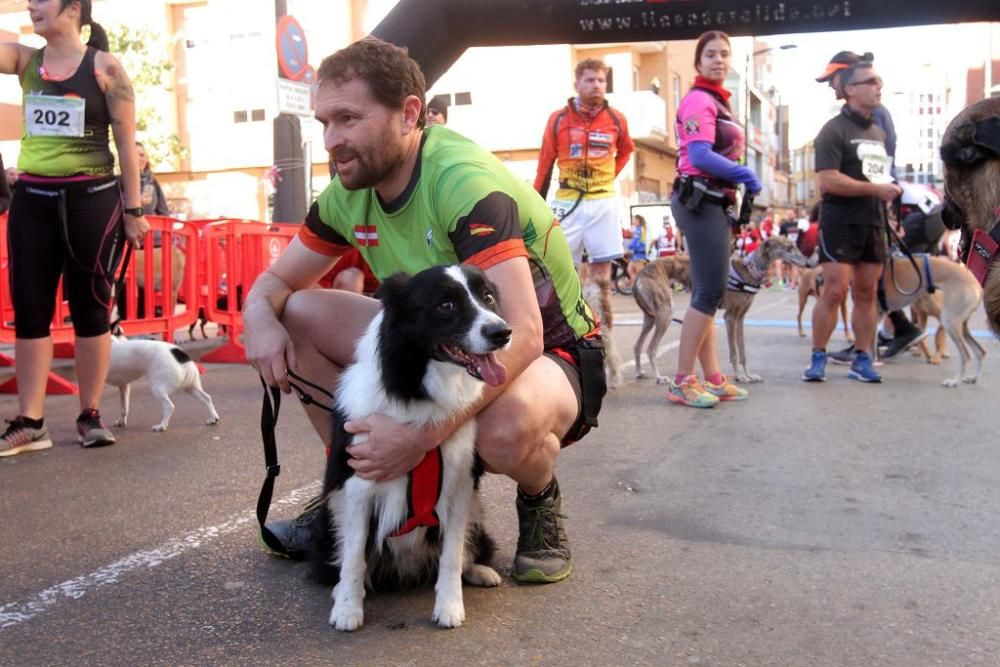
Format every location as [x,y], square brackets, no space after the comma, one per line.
[391,450]
[888,192]
[269,349]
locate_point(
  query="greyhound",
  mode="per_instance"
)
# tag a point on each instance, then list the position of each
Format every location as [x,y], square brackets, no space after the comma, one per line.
[653,293]
[961,295]
[811,284]
[922,310]
[745,277]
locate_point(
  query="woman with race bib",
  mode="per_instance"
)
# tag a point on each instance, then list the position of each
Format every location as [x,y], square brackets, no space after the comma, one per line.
[66,217]
[709,142]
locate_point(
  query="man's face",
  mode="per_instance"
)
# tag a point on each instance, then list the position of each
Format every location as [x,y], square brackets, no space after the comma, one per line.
[363,138]
[863,86]
[434,116]
[834,83]
[591,86]
[11,176]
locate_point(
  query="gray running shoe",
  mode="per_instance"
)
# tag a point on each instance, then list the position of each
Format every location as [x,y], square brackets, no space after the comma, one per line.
[91,431]
[903,342]
[295,535]
[542,548]
[845,356]
[22,437]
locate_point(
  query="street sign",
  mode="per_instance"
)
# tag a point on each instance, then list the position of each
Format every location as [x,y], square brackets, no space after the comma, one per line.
[293,53]
[294,97]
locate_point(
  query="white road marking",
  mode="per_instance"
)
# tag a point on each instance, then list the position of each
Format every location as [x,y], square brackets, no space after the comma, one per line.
[15,613]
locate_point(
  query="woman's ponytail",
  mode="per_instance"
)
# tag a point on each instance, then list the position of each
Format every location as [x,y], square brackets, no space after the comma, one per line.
[98,37]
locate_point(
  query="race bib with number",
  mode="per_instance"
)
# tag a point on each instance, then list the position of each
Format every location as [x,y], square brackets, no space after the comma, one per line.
[876,165]
[54,116]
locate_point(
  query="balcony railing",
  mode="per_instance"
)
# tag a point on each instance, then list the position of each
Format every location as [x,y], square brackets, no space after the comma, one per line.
[646,113]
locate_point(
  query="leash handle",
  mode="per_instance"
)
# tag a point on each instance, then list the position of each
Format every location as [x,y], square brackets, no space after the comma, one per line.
[270,407]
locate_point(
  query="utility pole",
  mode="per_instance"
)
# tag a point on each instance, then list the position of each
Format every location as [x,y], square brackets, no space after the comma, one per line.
[290,203]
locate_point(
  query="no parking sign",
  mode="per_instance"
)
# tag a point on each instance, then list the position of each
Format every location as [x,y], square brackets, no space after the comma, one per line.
[293,53]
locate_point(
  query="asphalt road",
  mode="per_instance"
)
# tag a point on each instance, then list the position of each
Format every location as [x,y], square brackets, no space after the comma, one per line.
[833,524]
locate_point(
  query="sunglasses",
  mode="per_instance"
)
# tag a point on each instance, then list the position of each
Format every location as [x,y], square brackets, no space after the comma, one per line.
[873,81]
[434,112]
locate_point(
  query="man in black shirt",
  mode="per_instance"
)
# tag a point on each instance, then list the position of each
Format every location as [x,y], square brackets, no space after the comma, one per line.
[854,173]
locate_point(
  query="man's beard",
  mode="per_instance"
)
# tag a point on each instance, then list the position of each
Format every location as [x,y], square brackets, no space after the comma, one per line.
[372,163]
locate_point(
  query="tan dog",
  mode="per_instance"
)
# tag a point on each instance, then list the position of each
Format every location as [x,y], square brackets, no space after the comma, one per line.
[177,262]
[811,284]
[961,295]
[972,182]
[599,305]
[746,274]
[922,310]
[654,295]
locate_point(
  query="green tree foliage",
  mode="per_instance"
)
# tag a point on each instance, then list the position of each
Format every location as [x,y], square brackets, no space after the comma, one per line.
[144,55]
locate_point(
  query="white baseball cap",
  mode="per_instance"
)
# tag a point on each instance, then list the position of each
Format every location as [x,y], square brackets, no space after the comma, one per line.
[921,196]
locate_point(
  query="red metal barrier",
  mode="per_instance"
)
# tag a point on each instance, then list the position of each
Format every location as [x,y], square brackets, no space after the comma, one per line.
[156,276]
[151,270]
[236,252]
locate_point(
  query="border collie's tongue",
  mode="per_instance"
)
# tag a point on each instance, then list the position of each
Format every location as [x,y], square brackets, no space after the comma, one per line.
[491,370]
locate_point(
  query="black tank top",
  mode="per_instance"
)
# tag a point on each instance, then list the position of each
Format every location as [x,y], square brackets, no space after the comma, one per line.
[59,154]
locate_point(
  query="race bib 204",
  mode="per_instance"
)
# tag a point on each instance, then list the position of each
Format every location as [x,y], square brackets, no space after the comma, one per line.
[876,165]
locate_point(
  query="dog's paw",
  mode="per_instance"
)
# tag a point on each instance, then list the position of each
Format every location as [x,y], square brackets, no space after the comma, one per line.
[660,379]
[212,421]
[970,379]
[802,334]
[449,613]
[640,375]
[481,575]
[119,422]
[159,428]
[935,360]
[950,382]
[742,378]
[755,378]
[347,617]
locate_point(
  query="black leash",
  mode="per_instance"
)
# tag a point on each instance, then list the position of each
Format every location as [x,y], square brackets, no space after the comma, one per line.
[894,239]
[270,407]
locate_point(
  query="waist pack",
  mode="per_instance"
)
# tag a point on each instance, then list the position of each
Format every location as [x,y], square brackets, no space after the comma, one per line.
[694,191]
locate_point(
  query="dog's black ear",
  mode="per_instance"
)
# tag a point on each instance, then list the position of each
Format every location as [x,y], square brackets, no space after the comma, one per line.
[972,143]
[392,288]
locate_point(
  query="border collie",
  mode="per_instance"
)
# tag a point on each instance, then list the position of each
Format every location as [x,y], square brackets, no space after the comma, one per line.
[168,369]
[423,359]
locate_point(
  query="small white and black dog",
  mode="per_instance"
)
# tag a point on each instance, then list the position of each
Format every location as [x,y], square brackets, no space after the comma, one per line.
[168,369]
[424,358]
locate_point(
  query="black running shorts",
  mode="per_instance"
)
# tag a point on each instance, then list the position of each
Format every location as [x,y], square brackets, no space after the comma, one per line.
[852,244]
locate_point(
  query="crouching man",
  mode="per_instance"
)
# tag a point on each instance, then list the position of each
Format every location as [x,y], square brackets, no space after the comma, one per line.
[409,197]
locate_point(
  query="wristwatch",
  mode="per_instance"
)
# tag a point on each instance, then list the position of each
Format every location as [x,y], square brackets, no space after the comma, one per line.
[135,211]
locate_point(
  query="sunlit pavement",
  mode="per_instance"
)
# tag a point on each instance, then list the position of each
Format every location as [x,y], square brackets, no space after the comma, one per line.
[829,524]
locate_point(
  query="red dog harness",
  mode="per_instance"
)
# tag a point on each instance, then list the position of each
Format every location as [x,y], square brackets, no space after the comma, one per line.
[983,249]
[423,490]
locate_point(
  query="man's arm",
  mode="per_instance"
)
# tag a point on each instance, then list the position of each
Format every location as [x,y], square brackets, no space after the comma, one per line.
[375,459]
[625,145]
[269,348]
[834,182]
[546,158]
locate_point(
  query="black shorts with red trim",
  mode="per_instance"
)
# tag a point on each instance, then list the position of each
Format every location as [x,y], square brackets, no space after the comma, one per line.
[583,364]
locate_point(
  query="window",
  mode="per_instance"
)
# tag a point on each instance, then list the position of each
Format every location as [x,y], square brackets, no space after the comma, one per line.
[463,98]
[611,80]
[677,89]
[239,116]
[257,115]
